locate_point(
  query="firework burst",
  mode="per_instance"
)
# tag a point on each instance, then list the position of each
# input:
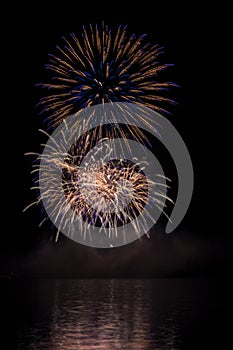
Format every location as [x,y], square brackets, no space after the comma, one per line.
[102,66]
[100,191]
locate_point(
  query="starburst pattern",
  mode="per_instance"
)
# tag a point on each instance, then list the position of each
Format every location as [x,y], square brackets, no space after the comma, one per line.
[102,66]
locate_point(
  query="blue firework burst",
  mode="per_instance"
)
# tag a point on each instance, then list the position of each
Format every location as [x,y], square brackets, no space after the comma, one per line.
[103,66]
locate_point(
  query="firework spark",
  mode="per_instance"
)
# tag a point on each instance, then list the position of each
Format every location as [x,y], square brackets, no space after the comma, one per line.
[102,66]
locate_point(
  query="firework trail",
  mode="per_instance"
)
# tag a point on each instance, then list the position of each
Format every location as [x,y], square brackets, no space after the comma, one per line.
[102,66]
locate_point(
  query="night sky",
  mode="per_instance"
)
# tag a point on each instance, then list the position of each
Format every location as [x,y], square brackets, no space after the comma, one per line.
[201,245]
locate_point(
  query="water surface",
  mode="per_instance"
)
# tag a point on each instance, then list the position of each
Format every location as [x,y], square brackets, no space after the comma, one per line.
[130,314]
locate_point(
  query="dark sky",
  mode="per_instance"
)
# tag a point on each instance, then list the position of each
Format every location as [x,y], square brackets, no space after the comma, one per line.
[191,39]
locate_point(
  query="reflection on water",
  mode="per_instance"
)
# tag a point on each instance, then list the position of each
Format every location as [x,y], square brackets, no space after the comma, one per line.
[106,313]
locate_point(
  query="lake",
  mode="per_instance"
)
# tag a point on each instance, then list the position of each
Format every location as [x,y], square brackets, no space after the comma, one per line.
[158,314]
